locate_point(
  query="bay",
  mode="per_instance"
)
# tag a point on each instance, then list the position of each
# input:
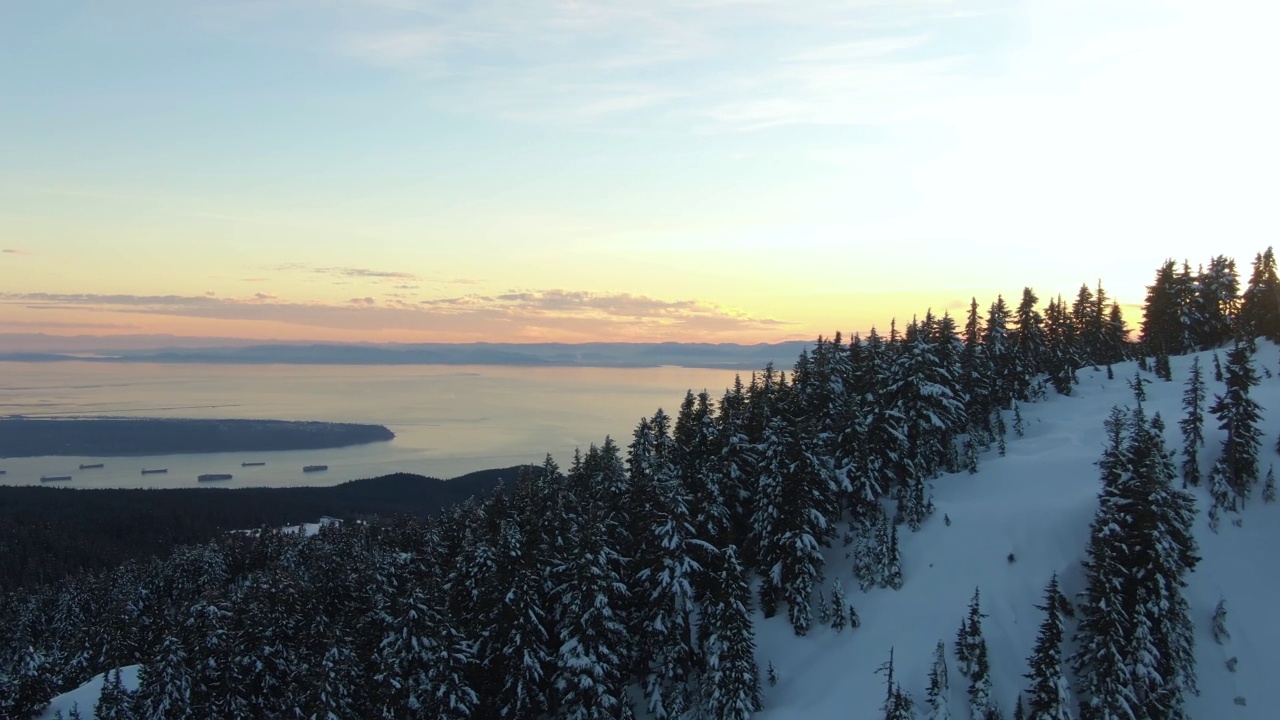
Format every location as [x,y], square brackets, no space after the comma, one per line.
[448,420]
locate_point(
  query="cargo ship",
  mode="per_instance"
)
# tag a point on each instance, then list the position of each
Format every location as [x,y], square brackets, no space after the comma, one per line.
[315,468]
[208,477]
[54,478]
[252,464]
[90,466]
[157,471]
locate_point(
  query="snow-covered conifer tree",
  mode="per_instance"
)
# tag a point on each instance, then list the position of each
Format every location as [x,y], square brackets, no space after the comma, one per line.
[937,697]
[1192,424]
[1220,634]
[1049,695]
[1238,414]
[730,682]
[115,701]
[839,607]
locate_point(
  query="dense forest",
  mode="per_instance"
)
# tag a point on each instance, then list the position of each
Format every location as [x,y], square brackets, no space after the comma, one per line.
[634,567]
[47,533]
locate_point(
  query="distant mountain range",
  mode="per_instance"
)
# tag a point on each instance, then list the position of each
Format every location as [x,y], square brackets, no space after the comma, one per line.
[700,355]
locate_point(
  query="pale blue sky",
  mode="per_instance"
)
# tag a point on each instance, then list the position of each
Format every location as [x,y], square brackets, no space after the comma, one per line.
[719,169]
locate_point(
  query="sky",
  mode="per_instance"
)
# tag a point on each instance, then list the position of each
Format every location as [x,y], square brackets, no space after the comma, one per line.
[692,170]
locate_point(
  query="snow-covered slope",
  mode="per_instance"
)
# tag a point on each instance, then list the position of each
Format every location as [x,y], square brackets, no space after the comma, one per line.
[1037,503]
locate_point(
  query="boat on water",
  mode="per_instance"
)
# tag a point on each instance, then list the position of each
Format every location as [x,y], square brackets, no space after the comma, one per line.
[207,477]
[2,472]
[315,468]
[252,464]
[156,471]
[54,478]
[90,466]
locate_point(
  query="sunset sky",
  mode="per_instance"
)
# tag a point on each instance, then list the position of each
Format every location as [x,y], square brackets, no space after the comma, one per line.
[711,170]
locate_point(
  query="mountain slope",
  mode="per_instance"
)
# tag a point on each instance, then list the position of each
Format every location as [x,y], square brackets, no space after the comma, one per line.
[1036,503]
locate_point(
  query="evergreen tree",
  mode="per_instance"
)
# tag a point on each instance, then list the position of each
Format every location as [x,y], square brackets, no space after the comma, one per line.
[1192,425]
[1260,304]
[1135,639]
[1163,331]
[520,655]
[1218,302]
[1050,696]
[164,685]
[1239,415]
[730,681]
[1269,486]
[664,588]
[589,674]
[897,704]
[893,560]
[938,694]
[970,642]
[115,701]
[1031,344]
[1220,634]
[839,607]
[423,659]
[30,685]
[980,703]
[697,448]
[1139,386]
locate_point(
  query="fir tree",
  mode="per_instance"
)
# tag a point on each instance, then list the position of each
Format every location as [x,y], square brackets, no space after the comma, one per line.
[898,705]
[1138,384]
[1050,696]
[1217,368]
[1269,486]
[32,681]
[1238,414]
[971,654]
[1136,638]
[1192,424]
[164,685]
[893,561]
[115,701]
[980,703]
[730,681]
[589,675]
[937,696]
[1260,304]
[1019,428]
[839,607]
[1220,634]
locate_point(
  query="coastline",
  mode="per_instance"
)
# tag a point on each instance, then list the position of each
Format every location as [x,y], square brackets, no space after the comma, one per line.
[114,436]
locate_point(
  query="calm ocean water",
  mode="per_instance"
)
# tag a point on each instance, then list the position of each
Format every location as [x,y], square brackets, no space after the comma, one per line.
[448,420]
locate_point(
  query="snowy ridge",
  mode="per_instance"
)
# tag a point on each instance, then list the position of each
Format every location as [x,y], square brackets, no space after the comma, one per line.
[1037,503]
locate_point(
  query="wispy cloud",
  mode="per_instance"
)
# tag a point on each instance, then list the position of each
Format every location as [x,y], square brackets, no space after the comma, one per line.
[14,251]
[744,64]
[41,325]
[523,313]
[359,273]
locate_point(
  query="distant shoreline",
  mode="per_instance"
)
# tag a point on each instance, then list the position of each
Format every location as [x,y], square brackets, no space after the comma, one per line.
[724,356]
[22,436]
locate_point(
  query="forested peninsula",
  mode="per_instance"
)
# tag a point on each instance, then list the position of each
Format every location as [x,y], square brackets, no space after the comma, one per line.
[120,436]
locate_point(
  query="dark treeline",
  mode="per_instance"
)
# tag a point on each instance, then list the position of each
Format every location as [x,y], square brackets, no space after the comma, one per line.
[555,594]
[107,436]
[47,533]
